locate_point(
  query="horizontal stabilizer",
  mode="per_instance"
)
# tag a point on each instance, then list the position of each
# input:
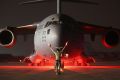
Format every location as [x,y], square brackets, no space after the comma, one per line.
[73,1]
[35,1]
[81,1]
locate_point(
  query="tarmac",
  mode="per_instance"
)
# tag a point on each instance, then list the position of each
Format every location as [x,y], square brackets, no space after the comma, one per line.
[18,71]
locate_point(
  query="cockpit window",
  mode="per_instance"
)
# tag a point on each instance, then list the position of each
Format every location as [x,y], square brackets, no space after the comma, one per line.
[51,23]
[48,31]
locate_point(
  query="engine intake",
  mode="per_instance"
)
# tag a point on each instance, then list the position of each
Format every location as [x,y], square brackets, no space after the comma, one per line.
[7,38]
[110,39]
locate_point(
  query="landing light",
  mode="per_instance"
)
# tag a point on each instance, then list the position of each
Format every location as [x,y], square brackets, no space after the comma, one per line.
[20,60]
[66,55]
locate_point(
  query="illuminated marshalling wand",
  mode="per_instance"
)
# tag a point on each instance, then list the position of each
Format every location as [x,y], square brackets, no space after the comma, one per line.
[59,3]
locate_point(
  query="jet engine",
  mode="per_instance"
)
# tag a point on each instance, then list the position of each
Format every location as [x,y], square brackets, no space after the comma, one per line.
[7,38]
[110,39]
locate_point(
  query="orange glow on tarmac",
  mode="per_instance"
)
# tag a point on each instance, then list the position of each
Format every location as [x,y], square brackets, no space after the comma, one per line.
[93,67]
[66,67]
[25,67]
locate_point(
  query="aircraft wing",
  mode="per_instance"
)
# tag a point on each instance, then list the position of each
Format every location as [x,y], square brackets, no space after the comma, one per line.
[110,35]
[23,30]
[9,34]
[96,29]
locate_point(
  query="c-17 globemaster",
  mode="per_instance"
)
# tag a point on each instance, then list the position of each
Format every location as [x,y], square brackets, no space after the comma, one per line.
[56,30]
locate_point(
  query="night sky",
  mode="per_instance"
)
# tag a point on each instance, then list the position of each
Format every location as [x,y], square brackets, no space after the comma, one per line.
[107,13]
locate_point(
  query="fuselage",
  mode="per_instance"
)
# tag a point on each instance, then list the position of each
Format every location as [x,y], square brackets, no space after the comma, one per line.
[57,33]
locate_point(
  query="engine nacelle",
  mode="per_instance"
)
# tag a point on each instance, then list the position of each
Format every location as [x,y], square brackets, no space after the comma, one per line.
[7,38]
[110,39]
